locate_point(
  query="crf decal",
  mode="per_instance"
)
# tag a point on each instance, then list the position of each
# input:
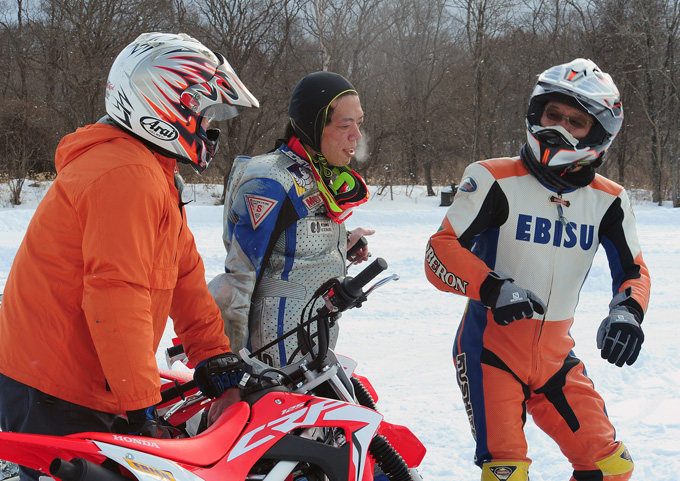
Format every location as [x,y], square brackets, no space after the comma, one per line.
[461,369]
[263,434]
[448,278]
[322,412]
[259,208]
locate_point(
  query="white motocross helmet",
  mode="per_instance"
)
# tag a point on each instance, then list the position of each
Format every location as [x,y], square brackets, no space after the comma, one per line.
[166,89]
[581,84]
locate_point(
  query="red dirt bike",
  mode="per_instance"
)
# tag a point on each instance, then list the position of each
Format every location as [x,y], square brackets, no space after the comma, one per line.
[312,420]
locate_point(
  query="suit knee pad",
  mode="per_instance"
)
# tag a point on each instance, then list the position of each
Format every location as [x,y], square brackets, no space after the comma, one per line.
[617,467]
[505,471]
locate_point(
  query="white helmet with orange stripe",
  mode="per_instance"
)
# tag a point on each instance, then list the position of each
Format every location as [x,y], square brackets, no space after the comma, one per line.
[166,89]
[580,84]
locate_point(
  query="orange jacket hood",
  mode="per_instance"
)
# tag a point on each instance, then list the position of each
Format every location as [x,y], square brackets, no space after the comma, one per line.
[73,145]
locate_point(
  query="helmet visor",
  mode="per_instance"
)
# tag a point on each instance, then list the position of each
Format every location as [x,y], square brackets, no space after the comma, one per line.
[219,112]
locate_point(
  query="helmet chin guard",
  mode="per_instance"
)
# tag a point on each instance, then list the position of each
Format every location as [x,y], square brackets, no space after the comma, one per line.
[556,142]
[580,84]
[166,89]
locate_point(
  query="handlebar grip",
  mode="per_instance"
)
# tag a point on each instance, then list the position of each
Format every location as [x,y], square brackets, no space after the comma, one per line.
[174,350]
[356,284]
[357,245]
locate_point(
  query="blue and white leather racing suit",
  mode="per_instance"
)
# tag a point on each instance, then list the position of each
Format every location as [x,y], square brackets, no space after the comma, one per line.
[281,246]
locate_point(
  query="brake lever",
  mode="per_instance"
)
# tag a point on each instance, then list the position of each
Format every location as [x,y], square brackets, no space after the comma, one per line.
[186,402]
[381,282]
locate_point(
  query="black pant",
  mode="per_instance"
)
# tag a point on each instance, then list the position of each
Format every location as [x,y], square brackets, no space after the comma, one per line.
[24,409]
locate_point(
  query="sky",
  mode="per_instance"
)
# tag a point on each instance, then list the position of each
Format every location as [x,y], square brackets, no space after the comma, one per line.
[402,337]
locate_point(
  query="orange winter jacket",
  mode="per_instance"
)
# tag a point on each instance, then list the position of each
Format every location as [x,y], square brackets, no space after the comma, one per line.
[106,259]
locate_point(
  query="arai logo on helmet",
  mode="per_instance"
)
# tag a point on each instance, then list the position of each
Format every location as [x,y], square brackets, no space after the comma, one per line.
[159,128]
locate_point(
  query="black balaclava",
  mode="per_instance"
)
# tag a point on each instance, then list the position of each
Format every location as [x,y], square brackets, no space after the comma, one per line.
[309,103]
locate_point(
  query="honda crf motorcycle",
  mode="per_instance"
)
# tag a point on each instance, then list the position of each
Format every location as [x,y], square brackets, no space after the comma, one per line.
[312,420]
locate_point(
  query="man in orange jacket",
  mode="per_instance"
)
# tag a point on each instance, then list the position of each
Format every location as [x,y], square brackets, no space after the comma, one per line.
[108,255]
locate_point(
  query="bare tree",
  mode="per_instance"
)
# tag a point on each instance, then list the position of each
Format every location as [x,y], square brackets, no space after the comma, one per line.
[343,36]
[483,21]
[442,82]
[17,158]
[646,32]
[254,36]
[22,143]
[77,43]
[419,52]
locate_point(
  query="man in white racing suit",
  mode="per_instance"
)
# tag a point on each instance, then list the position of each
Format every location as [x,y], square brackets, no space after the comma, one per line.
[519,240]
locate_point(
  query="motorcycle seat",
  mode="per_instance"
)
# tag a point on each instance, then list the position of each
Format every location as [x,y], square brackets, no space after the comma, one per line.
[204,449]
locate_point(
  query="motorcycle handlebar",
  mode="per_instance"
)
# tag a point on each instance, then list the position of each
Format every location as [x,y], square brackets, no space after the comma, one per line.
[175,350]
[351,294]
[176,391]
[354,285]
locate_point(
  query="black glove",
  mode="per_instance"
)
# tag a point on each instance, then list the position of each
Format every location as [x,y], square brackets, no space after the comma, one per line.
[620,336]
[145,422]
[508,302]
[218,373]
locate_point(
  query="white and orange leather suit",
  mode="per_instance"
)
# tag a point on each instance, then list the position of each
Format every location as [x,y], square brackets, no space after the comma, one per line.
[503,219]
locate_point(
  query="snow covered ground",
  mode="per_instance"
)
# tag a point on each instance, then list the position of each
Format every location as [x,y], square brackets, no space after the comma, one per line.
[402,337]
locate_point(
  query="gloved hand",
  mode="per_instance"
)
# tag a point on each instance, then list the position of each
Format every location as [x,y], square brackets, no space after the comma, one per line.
[145,422]
[620,337]
[218,373]
[508,302]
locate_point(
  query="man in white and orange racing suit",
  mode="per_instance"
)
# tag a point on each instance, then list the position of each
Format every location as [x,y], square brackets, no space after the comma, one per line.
[519,240]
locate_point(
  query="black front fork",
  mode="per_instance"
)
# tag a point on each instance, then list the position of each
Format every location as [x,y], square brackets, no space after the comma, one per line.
[384,454]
